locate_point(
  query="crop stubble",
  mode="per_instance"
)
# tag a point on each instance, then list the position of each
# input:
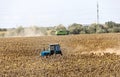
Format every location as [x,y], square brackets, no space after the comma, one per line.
[19,56]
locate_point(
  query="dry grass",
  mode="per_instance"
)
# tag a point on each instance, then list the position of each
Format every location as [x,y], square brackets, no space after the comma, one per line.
[19,58]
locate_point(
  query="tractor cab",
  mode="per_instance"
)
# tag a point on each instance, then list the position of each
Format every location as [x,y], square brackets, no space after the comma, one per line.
[53,49]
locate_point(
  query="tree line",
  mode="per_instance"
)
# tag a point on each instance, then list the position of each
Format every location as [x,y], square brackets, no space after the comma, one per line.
[75,28]
[3,29]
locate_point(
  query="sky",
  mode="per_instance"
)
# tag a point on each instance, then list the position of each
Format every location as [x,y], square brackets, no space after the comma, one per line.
[14,13]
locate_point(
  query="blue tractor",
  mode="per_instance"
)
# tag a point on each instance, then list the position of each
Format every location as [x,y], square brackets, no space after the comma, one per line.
[53,49]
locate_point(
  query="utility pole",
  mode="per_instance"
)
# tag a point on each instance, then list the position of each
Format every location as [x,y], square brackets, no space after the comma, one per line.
[97,13]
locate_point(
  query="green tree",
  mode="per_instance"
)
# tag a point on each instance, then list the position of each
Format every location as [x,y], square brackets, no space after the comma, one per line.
[93,28]
[19,30]
[112,27]
[75,28]
[60,27]
[101,29]
[110,24]
[85,30]
[116,29]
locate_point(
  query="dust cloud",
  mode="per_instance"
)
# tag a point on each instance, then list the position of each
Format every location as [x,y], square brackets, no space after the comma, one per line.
[102,52]
[24,32]
[109,50]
